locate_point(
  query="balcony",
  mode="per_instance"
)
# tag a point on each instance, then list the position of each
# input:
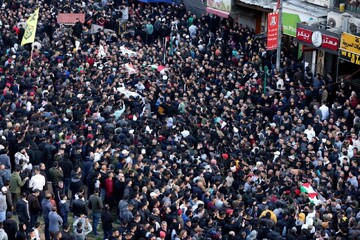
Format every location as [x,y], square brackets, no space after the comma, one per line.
[351,6]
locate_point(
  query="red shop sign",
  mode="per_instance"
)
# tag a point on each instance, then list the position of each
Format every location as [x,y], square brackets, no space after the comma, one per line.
[272,35]
[303,35]
[317,39]
[330,42]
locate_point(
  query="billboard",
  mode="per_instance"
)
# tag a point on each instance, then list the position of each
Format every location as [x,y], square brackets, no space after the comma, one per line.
[223,5]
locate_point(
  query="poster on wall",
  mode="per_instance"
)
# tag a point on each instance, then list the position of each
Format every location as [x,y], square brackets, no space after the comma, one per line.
[221,8]
[223,5]
[272,34]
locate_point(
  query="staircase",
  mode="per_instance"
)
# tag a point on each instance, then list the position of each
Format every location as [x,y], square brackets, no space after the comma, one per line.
[197,7]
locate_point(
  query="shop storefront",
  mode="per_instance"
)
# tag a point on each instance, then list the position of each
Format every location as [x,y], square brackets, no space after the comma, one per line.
[320,49]
[252,13]
[289,24]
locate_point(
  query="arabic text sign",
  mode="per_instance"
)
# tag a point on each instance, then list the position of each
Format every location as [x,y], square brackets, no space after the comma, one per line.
[350,43]
[351,57]
[328,42]
[223,5]
[272,35]
[303,35]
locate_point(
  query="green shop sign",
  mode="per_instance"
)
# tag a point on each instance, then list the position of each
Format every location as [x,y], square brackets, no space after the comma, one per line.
[289,23]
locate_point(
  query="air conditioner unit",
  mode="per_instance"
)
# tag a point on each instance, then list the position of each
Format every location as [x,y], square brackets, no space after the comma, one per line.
[318,23]
[354,26]
[334,20]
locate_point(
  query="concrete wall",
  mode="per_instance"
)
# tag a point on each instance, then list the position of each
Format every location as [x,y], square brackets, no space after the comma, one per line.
[198,7]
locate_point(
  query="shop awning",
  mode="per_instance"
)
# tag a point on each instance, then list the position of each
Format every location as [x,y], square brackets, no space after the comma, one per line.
[306,11]
[260,4]
[217,12]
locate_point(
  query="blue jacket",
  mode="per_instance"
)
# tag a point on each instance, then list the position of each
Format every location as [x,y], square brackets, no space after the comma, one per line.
[46,208]
[54,221]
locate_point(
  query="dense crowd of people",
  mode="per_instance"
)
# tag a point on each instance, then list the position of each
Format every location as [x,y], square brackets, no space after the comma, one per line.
[160,125]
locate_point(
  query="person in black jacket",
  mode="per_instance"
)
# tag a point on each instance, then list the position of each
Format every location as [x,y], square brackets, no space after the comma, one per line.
[49,151]
[119,187]
[22,209]
[21,234]
[79,206]
[78,28]
[66,233]
[90,179]
[67,167]
[10,226]
[75,184]
[107,220]
[34,207]
[58,191]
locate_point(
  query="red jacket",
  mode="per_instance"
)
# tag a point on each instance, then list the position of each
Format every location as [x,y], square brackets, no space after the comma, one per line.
[109,187]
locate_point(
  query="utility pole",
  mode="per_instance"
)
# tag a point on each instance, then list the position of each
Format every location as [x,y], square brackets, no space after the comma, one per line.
[278,52]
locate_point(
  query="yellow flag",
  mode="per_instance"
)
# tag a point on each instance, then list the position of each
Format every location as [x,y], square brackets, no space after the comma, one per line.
[30,30]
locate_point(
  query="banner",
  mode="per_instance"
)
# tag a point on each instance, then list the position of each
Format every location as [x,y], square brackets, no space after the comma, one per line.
[272,35]
[30,30]
[350,43]
[289,23]
[70,18]
[222,5]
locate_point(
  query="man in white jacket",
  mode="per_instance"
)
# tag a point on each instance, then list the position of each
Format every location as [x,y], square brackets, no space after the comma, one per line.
[310,133]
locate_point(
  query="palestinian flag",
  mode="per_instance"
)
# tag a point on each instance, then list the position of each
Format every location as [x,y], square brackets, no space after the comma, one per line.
[130,68]
[154,67]
[312,194]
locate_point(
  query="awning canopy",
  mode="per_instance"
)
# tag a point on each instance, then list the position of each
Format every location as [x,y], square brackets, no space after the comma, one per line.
[217,12]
